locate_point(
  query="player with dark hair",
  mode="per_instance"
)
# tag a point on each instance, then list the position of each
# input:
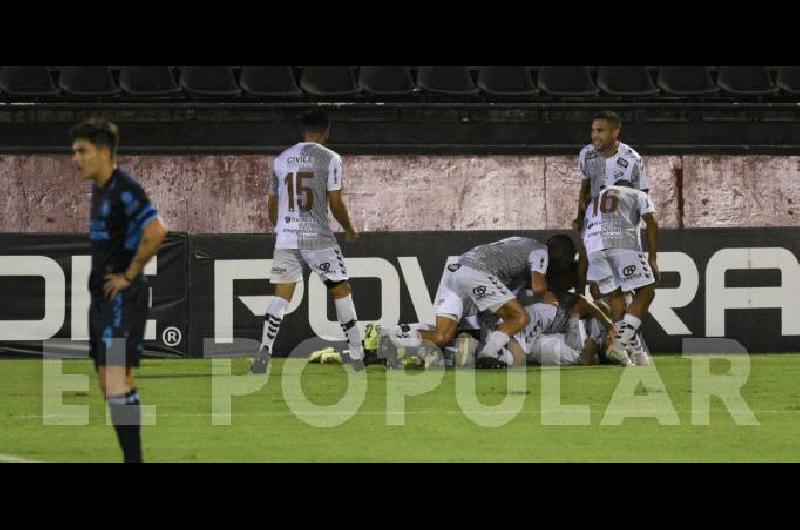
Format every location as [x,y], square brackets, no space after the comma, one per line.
[125,233]
[602,163]
[306,180]
[486,278]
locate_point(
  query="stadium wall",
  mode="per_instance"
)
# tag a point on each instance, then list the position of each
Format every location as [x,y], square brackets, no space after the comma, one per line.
[225,193]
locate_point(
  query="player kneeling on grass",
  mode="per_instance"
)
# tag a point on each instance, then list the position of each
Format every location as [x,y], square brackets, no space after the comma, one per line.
[617,264]
[487,277]
[566,331]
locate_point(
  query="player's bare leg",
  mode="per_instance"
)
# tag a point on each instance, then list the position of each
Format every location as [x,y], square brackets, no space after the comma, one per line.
[632,322]
[444,333]
[494,353]
[275,312]
[341,292]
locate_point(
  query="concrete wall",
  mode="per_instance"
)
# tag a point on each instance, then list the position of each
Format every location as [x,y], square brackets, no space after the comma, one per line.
[226,194]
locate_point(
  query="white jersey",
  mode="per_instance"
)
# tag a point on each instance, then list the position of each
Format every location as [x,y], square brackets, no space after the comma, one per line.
[302,176]
[511,260]
[614,219]
[626,164]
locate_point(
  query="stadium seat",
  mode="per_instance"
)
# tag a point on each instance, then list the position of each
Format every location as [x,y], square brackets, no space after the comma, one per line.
[329,81]
[148,81]
[209,81]
[455,80]
[746,80]
[87,81]
[27,81]
[789,79]
[506,81]
[686,80]
[269,81]
[387,80]
[626,81]
[567,81]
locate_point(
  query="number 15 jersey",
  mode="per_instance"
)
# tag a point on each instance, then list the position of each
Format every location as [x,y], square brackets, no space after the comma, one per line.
[302,176]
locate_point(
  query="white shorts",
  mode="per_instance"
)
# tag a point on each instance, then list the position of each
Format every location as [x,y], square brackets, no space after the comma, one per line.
[553,350]
[614,269]
[287,265]
[450,305]
[485,290]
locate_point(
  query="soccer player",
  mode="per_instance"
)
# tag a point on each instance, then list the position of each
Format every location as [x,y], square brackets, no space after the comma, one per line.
[602,163]
[306,180]
[487,277]
[558,334]
[616,262]
[125,232]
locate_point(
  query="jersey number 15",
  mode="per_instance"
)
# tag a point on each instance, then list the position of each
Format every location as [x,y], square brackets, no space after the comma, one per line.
[306,201]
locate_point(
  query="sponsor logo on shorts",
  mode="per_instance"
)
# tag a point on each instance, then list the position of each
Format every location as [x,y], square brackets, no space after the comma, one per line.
[325,267]
[622,162]
[480,291]
[278,270]
[629,271]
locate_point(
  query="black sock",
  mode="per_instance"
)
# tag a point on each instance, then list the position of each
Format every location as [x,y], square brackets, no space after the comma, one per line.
[126,415]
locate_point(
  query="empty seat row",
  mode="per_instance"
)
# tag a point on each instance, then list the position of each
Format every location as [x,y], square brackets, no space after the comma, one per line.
[509,81]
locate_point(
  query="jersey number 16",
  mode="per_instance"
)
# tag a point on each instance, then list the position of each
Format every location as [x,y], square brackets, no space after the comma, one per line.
[307,198]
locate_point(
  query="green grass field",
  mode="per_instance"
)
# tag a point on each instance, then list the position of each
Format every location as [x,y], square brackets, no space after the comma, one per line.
[435,427]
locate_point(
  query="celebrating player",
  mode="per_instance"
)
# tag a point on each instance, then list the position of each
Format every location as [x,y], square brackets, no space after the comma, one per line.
[306,180]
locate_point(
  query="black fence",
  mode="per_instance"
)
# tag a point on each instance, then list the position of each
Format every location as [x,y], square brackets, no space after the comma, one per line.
[742,284]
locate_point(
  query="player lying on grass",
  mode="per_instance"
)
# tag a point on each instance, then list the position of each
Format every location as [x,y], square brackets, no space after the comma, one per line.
[488,276]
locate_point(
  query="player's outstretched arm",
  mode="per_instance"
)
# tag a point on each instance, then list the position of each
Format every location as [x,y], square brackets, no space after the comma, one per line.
[587,309]
[652,242]
[583,203]
[339,211]
[272,209]
[538,283]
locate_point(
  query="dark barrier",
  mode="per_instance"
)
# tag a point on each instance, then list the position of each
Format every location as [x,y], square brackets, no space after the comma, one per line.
[743,284]
[44,293]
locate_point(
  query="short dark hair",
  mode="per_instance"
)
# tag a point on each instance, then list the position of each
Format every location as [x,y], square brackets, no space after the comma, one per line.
[316,120]
[561,250]
[97,131]
[611,117]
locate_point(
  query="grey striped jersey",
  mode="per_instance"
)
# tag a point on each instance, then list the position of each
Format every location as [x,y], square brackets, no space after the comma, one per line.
[604,172]
[511,260]
[302,176]
[613,221]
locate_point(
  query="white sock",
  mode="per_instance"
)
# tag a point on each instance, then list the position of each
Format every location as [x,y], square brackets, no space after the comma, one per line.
[495,342]
[633,321]
[405,336]
[346,313]
[627,327]
[272,324]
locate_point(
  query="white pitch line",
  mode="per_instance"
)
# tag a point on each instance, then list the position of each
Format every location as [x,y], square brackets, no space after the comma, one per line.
[11,459]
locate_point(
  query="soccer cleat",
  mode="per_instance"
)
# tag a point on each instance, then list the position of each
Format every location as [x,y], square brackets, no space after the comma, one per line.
[618,354]
[372,337]
[489,363]
[357,364]
[638,355]
[261,362]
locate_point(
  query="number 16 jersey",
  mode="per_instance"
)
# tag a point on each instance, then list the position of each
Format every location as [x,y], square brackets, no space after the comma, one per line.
[302,176]
[613,220]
